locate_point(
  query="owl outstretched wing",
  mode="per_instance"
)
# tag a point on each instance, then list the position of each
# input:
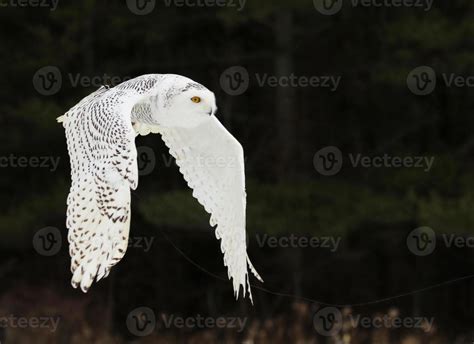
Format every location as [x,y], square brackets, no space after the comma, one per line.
[103,158]
[212,162]
[100,133]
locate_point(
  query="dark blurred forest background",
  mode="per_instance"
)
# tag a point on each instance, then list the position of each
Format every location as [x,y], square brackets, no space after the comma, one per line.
[373,111]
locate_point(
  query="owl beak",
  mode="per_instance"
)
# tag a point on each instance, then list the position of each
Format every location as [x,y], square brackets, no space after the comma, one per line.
[212,111]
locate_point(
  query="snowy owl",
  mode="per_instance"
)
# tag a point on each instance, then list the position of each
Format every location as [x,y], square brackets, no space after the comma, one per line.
[100,134]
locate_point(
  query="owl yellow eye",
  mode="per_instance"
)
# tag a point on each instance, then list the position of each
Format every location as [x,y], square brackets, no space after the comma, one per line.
[196,99]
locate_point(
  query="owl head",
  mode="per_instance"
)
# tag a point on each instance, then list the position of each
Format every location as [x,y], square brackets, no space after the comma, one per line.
[182,102]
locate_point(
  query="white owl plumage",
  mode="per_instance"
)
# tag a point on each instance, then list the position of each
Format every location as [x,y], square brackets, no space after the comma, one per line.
[100,133]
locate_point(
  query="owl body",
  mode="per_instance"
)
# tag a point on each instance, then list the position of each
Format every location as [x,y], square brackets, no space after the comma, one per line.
[100,133]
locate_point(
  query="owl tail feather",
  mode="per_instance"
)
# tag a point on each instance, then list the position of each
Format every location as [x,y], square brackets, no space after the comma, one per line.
[254,272]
